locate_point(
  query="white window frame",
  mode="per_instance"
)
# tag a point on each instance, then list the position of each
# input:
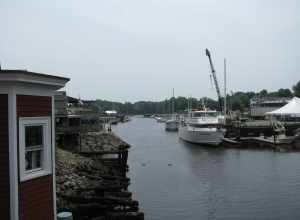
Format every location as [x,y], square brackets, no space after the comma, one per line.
[46,168]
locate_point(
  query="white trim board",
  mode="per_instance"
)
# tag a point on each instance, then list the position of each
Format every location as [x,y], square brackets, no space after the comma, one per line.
[53,158]
[25,90]
[13,155]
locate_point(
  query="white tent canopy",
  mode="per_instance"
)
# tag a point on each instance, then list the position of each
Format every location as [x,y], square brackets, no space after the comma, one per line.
[290,109]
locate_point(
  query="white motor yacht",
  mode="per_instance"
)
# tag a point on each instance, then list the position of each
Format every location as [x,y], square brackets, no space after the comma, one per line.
[202,127]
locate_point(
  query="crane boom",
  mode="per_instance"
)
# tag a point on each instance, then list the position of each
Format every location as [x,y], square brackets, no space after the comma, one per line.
[214,77]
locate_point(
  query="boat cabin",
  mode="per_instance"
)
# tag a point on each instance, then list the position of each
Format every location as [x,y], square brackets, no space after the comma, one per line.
[27,154]
[198,114]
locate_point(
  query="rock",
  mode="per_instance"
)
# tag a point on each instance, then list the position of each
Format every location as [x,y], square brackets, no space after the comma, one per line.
[81,181]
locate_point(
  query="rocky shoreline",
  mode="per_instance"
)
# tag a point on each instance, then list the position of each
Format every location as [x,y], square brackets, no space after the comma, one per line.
[92,183]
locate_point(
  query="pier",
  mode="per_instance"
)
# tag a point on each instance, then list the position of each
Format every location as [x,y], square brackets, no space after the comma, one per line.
[91,166]
[277,143]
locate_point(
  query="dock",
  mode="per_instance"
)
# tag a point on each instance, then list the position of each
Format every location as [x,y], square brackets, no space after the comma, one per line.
[258,127]
[280,143]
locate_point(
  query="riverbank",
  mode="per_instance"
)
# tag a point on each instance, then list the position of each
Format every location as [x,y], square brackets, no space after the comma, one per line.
[94,186]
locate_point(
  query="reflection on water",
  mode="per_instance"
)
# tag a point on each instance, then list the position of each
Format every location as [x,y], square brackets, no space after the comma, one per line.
[176,180]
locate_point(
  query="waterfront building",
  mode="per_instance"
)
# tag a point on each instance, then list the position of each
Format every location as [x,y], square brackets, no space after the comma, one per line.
[27,146]
[259,106]
[289,112]
[73,119]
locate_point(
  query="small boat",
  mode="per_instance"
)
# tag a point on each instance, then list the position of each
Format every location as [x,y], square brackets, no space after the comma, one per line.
[202,127]
[160,119]
[172,125]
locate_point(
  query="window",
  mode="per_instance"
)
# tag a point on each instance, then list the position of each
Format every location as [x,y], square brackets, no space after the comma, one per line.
[35,147]
[204,114]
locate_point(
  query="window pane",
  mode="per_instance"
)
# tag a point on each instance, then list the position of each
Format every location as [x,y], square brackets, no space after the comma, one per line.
[33,160]
[28,160]
[36,159]
[33,135]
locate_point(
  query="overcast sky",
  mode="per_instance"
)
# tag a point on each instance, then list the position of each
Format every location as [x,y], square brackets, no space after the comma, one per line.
[129,50]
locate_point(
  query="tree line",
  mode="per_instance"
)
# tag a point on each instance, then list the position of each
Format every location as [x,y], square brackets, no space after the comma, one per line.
[236,101]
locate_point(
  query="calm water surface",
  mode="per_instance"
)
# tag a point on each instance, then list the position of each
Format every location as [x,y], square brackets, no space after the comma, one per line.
[174,180]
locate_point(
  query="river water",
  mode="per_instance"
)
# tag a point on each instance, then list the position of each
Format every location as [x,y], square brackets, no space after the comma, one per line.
[174,180]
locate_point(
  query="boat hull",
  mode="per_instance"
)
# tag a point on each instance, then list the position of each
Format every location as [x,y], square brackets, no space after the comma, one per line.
[209,136]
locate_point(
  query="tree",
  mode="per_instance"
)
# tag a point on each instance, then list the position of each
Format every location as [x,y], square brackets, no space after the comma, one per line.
[296,89]
[284,93]
[263,93]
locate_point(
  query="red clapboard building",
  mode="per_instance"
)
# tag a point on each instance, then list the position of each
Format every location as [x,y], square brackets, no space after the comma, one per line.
[27,154]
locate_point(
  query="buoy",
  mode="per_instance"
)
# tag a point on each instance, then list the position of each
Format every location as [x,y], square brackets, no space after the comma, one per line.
[64,216]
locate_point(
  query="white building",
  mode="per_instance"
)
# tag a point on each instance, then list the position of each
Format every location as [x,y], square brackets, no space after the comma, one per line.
[259,106]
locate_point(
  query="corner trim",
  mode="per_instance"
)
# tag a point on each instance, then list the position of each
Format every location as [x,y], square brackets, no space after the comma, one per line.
[53,158]
[13,154]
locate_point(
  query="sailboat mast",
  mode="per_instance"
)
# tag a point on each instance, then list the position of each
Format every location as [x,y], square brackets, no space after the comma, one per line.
[225,88]
[173,100]
[188,104]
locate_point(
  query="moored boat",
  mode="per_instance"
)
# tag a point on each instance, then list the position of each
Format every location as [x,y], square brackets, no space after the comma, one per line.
[172,125]
[202,127]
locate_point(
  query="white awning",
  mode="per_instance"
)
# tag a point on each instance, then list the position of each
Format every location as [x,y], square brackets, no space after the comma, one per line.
[292,109]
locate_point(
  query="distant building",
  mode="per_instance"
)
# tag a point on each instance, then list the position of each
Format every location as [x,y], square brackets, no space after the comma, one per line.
[259,106]
[74,118]
[61,103]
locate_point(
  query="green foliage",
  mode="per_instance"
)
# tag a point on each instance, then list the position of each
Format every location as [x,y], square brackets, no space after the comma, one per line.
[236,101]
[263,92]
[296,89]
[285,93]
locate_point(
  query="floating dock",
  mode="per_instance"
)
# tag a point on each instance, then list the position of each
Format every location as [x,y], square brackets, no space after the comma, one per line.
[258,127]
[277,143]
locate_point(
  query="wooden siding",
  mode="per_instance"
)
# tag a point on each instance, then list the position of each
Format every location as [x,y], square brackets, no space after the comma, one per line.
[33,106]
[36,195]
[4,159]
[36,199]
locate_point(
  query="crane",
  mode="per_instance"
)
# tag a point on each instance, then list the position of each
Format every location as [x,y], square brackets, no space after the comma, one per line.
[214,77]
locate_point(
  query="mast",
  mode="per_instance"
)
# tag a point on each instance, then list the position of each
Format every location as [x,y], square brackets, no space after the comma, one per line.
[225,87]
[173,100]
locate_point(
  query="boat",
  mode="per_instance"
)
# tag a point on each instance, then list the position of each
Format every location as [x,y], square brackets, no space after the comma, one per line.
[172,123]
[202,127]
[160,119]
